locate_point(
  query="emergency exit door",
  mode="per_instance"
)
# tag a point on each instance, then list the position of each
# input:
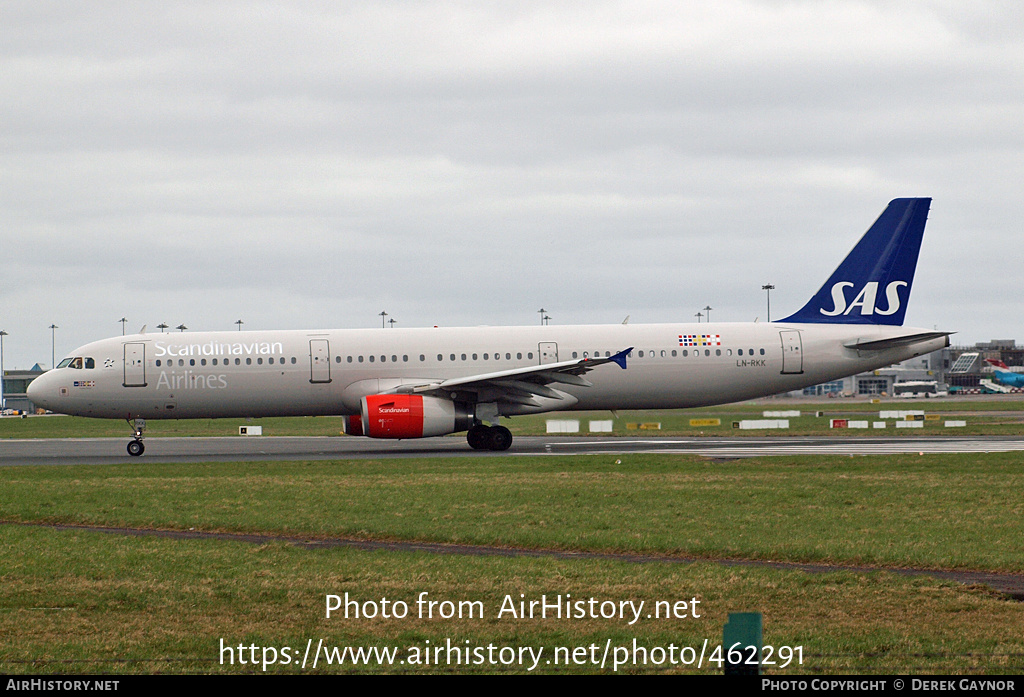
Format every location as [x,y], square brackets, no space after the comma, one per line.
[134,365]
[792,352]
[319,360]
[548,351]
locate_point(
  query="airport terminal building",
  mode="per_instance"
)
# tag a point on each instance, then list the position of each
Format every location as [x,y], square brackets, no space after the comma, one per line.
[15,387]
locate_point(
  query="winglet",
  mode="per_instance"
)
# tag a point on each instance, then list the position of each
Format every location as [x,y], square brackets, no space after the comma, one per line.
[620,357]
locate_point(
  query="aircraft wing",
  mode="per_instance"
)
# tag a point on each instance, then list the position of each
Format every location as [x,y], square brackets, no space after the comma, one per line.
[520,385]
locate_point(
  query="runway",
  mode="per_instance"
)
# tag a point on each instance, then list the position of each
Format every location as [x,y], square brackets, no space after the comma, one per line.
[105,451]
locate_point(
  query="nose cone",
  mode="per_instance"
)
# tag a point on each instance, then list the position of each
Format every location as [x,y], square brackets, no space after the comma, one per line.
[42,391]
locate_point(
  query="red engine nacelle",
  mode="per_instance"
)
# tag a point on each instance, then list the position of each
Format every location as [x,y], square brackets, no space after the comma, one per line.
[413,416]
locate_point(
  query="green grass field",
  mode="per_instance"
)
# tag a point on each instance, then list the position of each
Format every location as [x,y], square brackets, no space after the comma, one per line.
[79,601]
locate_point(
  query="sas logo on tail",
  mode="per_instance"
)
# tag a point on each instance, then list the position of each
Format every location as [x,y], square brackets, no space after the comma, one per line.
[865,300]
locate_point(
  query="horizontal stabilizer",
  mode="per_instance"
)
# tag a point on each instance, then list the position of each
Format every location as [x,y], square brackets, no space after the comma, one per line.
[896,341]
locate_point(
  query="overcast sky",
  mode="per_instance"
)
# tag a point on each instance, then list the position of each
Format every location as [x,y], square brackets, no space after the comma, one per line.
[311,164]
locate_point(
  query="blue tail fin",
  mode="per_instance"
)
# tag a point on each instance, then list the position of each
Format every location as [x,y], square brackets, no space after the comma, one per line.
[872,285]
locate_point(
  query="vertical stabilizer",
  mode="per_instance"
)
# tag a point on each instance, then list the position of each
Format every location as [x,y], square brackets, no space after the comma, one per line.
[872,285]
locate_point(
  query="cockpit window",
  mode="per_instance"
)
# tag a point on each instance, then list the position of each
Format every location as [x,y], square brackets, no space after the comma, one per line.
[78,363]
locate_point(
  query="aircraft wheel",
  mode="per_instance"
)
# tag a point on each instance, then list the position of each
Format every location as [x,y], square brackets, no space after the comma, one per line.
[500,438]
[136,448]
[478,437]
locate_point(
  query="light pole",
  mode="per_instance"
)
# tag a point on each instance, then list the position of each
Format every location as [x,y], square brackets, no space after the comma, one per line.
[2,335]
[53,344]
[382,316]
[123,322]
[162,326]
[392,322]
[768,288]
[708,311]
[239,323]
[698,316]
[181,327]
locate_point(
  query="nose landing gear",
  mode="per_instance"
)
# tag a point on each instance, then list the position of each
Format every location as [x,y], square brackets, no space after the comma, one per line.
[136,447]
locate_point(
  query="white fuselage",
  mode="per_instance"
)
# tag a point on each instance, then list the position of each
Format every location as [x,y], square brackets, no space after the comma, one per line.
[294,373]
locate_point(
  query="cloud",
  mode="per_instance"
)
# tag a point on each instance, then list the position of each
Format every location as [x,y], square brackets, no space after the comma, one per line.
[310,164]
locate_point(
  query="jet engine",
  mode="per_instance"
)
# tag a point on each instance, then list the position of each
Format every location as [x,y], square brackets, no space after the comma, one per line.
[353,425]
[413,416]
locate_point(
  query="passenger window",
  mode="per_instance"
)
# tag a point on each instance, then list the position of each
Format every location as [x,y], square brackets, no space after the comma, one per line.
[762,352]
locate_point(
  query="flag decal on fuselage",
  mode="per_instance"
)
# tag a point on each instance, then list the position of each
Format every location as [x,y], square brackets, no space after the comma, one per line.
[700,339]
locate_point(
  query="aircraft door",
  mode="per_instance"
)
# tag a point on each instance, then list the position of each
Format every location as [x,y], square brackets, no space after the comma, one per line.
[134,365]
[319,360]
[792,352]
[548,351]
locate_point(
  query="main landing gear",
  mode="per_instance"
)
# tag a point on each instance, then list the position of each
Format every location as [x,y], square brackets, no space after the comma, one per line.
[482,437]
[136,447]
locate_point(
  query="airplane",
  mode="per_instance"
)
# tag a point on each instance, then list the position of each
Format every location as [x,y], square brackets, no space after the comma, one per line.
[422,382]
[1003,374]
